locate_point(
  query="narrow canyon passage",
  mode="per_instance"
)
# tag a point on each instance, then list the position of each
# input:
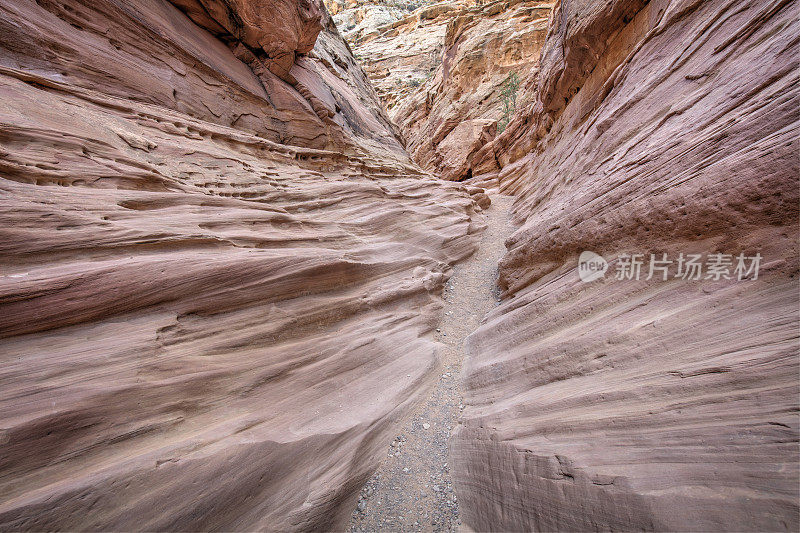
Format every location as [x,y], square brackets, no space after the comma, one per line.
[243,244]
[412,490]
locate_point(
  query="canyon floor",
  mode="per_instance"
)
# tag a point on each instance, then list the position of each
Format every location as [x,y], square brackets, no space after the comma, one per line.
[412,490]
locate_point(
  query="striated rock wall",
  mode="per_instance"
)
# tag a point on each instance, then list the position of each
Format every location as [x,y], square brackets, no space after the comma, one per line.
[399,45]
[216,278]
[667,127]
[440,70]
[456,112]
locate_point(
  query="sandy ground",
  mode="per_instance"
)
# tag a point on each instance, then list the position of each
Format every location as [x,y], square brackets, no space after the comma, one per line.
[412,491]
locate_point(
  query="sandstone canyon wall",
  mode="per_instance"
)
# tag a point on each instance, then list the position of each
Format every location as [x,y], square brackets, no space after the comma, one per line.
[219,267]
[662,127]
[398,49]
[440,71]
[456,112]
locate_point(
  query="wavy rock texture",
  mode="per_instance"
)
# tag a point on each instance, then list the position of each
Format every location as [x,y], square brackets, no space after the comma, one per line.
[669,127]
[216,284]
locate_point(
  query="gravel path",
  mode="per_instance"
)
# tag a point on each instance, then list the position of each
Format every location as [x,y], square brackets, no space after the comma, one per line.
[411,490]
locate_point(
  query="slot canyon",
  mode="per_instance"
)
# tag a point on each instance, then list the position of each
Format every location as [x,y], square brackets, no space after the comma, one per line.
[399,265]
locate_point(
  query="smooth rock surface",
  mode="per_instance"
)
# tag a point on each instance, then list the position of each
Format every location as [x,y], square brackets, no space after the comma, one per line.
[670,127]
[216,285]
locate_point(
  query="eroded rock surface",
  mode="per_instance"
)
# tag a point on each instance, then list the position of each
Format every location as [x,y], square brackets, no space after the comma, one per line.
[441,69]
[217,276]
[459,109]
[400,45]
[670,127]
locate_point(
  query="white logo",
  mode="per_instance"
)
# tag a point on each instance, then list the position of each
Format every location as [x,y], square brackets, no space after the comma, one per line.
[591,266]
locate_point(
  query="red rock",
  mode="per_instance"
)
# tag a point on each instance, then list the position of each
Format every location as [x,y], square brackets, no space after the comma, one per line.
[278,28]
[441,70]
[624,405]
[209,317]
[483,46]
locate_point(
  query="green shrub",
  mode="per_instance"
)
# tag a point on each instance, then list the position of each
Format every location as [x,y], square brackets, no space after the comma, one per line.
[508,97]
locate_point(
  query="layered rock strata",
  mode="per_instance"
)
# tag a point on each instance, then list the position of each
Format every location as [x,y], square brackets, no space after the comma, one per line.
[441,69]
[399,49]
[668,127]
[459,109]
[218,267]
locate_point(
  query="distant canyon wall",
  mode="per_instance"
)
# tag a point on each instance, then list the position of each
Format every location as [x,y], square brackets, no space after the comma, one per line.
[441,71]
[219,267]
[668,127]
[460,109]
